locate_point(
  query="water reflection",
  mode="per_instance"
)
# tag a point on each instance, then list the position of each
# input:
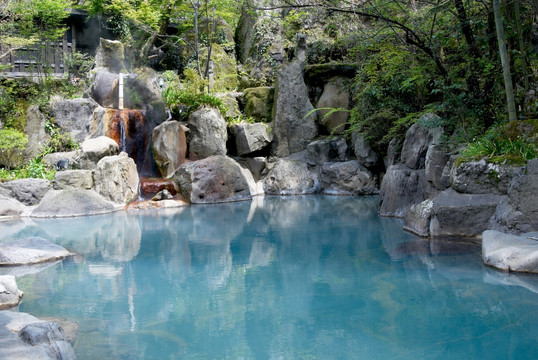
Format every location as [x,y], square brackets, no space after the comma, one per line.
[282,277]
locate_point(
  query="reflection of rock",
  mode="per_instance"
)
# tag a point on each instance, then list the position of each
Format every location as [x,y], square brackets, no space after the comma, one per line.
[23,270]
[261,254]
[10,295]
[30,251]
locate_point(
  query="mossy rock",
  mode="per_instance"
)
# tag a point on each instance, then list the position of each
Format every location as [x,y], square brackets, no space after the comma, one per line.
[259,103]
[225,75]
[320,73]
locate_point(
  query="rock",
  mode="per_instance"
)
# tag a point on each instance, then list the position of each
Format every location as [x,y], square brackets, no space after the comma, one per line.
[27,191]
[141,89]
[417,218]
[256,165]
[519,212]
[213,180]
[347,178]
[69,203]
[93,150]
[35,130]
[510,252]
[207,133]
[10,295]
[366,156]
[71,158]
[75,117]
[73,179]
[259,103]
[393,153]
[287,177]
[104,88]
[293,130]
[169,147]
[326,150]
[334,96]
[23,336]
[110,55]
[456,214]
[417,141]
[482,177]
[437,159]
[156,113]
[162,195]
[31,250]
[401,188]
[230,101]
[250,137]
[116,179]
[10,207]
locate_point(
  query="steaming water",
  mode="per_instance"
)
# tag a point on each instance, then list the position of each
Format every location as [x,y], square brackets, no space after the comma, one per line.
[278,278]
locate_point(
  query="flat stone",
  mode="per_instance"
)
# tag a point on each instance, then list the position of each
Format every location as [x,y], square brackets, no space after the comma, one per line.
[510,252]
[30,250]
[73,179]
[10,295]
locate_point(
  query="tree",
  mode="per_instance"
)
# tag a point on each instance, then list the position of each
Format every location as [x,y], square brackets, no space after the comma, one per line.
[12,145]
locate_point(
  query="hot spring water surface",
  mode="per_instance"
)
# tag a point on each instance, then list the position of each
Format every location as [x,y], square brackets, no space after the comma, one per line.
[278,278]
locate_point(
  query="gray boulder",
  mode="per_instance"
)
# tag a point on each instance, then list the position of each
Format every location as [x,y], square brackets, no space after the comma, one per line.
[104,88]
[456,214]
[335,95]
[250,137]
[417,218]
[27,191]
[35,130]
[73,179]
[287,177]
[70,203]
[10,207]
[326,150]
[70,158]
[417,141]
[169,147]
[256,165]
[23,337]
[213,180]
[347,178]
[30,250]
[230,101]
[293,130]
[482,177]
[110,55]
[393,153]
[363,152]
[116,179]
[510,252]
[10,295]
[401,188]
[519,211]
[75,116]
[259,102]
[437,159]
[93,150]
[207,133]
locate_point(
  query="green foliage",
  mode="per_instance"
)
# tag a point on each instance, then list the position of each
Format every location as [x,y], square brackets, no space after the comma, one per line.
[12,145]
[293,23]
[78,64]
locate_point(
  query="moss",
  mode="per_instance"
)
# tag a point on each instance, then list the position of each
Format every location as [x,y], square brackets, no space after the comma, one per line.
[259,103]
[225,75]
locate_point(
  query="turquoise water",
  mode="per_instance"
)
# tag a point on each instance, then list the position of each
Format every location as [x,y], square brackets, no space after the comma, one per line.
[279,278]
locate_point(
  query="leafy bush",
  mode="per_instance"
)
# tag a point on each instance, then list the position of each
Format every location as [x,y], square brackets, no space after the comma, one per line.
[12,145]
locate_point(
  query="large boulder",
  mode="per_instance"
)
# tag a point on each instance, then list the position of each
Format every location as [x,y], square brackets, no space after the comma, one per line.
[76,116]
[335,95]
[393,153]
[169,147]
[365,155]
[510,252]
[482,177]
[110,55]
[417,218]
[73,179]
[32,250]
[401,188]
[213,180]
[519,211]
[250,137]
[116,179]
[69,158]
[456,214]
[27,191]
[104,88]
[288,177]
[259,102]
[93,150]
[207,133]
[418,139]
[70,203]
[10,295]
[347,178]
[437,159]
[23,336]
[230,101]
[10,207]
[35,130]
[294,119]
[326,150]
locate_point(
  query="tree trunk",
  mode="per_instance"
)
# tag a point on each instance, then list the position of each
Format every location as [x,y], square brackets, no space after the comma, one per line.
[196,8]
[512,115]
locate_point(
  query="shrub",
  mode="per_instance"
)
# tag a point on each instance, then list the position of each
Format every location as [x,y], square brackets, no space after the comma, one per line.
[12,145]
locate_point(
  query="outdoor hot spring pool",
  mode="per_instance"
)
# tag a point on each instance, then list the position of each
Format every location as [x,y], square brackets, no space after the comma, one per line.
[277,278]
